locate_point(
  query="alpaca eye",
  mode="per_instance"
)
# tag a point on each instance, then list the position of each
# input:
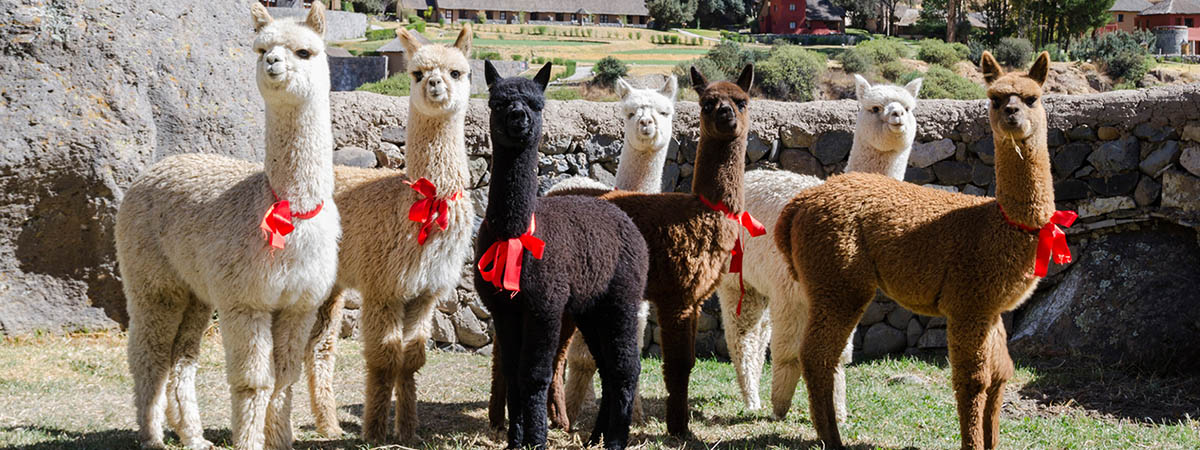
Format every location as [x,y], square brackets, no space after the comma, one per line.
[417,75]
[455,74]
[1030,100]
[741,104]
[303,54]
[630,115]
[997,103]
[664,113]
[875,109]
[261,51]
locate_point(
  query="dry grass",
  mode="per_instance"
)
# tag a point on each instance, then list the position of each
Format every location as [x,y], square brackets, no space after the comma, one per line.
[74,393]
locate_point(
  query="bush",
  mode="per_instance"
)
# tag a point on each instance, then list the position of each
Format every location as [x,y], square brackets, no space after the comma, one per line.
[857,61]
[480,17]
[975,51]
[540,29]
[515,57]
[790,73]
[397,85]
[1014,52]
[708,68]
[418,25]
[348,7]
[1121,55]
[442,21]
[941,82]
[892,71]
[607,70]
[935,51]
[378,35]
[412,18]
[961,50]
[490,55]
[1056,54]
[883,50]
[1129,66]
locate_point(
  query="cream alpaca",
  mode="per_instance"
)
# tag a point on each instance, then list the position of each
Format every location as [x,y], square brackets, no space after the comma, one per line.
[883,137]
[189,240]
[400,278]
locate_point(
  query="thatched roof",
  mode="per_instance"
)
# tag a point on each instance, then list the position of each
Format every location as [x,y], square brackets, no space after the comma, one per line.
[1130,5]
[1173,7]
[621,7]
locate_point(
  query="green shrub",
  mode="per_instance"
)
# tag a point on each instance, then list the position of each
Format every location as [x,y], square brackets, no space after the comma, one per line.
[488,55]
[884,49]
[790,73]
[1129,66]
[857,61]
[961,50]
[941,82]
[442,21]
[1013,52]
[480,17]
[1056,54]
[706,66]
[412,18]
[419,26]
[348,7]
[397,85]
[935,51]
[607,70]
[378,35]
[541,29]
[975,51]
[515,57]
[894,70]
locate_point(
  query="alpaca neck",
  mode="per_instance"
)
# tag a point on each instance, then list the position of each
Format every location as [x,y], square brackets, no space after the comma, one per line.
[640,169]
[436,150]
[719,167]
[299,160]
[512,194]
[1024,186]
[866,158]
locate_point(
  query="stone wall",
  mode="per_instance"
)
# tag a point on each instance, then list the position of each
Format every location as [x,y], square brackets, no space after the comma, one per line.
[347,73]
[1128,161]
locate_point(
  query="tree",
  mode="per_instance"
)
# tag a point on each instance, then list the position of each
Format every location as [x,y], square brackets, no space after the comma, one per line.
[720,13]
[607,70]
[671,13]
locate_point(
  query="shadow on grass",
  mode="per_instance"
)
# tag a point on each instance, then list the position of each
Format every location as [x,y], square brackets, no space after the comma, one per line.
[59,439]
[1139,396]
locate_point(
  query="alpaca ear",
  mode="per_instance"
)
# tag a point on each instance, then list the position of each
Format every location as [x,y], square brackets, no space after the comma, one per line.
[698,80]
[410,43]
[489,73]
[746,79]
[1040,68]
[914,87]
[860,86]
[260,16]
[543,76]
[990,68]
[671,88]
[464,39]
[623,88]
[316,18]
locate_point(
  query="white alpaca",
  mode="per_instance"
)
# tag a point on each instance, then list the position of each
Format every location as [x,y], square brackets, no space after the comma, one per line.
[648,116]
[883,139]
[189,239]
[400,265]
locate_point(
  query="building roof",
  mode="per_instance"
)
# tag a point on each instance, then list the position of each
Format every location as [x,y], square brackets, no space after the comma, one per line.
[977,19]
[907,15]
[1173,7]
[1130,5]
[823,10]
[623,7]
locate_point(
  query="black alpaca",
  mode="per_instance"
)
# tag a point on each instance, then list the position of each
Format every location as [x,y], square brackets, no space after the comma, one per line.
[592,267]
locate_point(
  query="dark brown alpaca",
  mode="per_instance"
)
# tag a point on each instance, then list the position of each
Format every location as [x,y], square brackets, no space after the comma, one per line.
[689,241]
[962,257]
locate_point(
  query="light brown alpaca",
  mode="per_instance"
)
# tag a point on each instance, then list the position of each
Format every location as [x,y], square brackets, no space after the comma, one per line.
[934,252]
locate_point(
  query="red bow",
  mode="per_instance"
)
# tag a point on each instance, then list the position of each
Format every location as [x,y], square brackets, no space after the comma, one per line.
[1052,242]
[750,224]
[422,210]
[277,223]
[505,258]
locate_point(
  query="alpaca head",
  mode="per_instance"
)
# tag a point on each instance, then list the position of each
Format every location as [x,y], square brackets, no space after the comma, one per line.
[648,114]
[516,109]
[441,75]
[885,114]
[292,67]
[1015,108]
[723,112]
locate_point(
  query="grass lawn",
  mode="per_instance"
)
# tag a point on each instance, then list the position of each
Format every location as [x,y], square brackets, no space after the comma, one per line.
[75,393]
[523,42]
[665,51]
[703,32]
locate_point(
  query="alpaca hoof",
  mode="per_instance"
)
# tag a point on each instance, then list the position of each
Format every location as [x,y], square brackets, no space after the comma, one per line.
[200,444]
[154,445]
[330,430]
[753,405]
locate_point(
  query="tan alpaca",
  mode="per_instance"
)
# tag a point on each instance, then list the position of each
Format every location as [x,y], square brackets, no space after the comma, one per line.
[189,240]
[936,253]
[400,278]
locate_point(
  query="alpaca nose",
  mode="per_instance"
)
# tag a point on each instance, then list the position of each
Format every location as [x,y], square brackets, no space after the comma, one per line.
[645,121]
[1010,109]
[272,58]
[434,81]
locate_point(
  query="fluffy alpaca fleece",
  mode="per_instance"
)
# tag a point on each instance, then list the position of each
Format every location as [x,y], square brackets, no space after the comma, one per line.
[189,240]
[400,279]
[689,241]
[648,116]
[593,269]
[857,232]
[883,139]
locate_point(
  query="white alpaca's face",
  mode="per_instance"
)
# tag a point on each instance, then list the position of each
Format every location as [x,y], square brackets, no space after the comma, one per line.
[441,80]
[648,114]
[885,114]
[292,65]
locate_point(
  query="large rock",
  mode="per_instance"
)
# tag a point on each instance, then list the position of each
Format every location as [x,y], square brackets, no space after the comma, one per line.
[1129,298]
[1181,190]
[93,93]
[882,339]
[1116,156]
[926,153]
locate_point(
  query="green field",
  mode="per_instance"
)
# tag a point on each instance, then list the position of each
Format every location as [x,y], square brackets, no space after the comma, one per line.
[665,51]
[524,42]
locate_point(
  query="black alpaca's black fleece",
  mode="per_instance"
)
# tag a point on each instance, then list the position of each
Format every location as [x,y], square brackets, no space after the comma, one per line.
[593,268]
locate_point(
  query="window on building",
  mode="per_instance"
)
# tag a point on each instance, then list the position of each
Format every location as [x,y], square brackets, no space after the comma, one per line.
[792,25]
[1178,21]
[1188,22]
[792,7]
[503,15]
[1120,17]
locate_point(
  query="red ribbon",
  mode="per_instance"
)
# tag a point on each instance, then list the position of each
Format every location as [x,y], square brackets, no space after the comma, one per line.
[423,210]
[504,256]
[750,224]
[1052,242]
[277,223]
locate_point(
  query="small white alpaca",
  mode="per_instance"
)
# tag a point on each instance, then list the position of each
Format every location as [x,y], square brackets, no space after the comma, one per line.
[648,116]
[883,139]
[256,241]
[404,242]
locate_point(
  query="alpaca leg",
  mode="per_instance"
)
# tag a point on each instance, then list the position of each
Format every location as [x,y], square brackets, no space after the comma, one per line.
[181,391]
[839,379]
[789,320]
[246,335]
[1002,370]
[509,334]
[679,356]
[537,366]
[643,315]
[319,358]
[744,335]
[417,317]
[556,405]
[581,366]
[616,357]
[290,331]
[834,313]
[498,392]
[153,323]
[382,348]
[971,366]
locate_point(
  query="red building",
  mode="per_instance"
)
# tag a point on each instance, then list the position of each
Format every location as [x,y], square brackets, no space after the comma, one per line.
[800,17]
[1185,13]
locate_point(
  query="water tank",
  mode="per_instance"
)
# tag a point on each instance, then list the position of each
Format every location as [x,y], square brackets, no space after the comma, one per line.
[1169,39]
